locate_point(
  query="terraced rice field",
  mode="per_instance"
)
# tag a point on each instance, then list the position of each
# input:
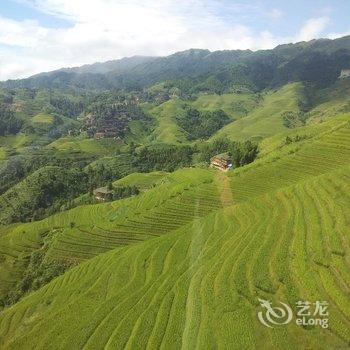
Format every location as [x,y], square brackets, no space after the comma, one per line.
[132,220]
[86,231]
[12,144]
[143,181]
[265,120]
[43,119]
[235,105]
[13,141]
[332,101]
[15,245]
[90,146]
[198,287]
[167,130]
[205,247]
[324,153]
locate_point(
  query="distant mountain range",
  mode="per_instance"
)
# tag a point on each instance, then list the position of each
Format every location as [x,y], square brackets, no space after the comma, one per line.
[318,62]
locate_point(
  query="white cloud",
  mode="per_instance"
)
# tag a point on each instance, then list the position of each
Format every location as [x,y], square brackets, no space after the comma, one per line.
[313,28]
[107,29]
[275,14]
[25,34]
[337,35]
[101,30]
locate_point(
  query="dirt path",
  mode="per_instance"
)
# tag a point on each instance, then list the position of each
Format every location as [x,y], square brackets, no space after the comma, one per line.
[223,185]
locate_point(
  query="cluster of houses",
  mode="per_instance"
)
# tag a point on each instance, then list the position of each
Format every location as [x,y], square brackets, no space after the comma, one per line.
[110,126]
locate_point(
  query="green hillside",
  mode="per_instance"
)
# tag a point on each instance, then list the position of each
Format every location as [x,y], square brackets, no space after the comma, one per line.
[266,119]
[2,153]
[331,101]
[86,231]
[12,143]
[43,118]
[255,116]
[276,229]
[167,130]
[29,198]
[143,181]
[13,140]
[90,146]
[236,105]
[281,236]
[192,201]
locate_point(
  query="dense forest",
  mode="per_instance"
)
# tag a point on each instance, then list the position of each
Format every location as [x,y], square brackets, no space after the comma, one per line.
[9,124]
[201,125]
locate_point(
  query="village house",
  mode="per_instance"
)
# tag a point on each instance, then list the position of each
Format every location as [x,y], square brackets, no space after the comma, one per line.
[222,162]
[103,193]
[345,73]
[106,133]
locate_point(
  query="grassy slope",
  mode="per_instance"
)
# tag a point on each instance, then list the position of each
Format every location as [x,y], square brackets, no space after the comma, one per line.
[139,132]
[256,117]
[331,101]
[14,141]
[90,146]
[235,105]
[142,181]
[10,144]
[309,131]
[285,238]
[3,153]
[86,231]
[167,130]
[265,120]
[43,118]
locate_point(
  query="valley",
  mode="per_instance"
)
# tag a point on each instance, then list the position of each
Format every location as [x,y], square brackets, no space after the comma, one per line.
[117,232]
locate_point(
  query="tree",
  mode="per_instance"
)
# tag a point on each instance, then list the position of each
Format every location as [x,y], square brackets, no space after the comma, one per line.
[243,153]
[201,125]
[208,150]
[9,123]
[293,119]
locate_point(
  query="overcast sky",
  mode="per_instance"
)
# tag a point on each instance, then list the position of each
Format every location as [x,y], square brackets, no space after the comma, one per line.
[42,35]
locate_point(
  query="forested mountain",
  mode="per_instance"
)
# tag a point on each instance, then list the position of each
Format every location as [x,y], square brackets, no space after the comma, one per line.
[117,66]
[318,62]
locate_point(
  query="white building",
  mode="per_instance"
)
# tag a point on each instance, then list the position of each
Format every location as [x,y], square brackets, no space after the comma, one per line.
[345,73]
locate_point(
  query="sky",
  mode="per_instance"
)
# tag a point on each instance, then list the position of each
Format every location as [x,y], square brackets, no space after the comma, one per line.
[43,35]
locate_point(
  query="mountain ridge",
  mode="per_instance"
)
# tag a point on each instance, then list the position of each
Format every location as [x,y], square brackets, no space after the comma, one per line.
[257,69]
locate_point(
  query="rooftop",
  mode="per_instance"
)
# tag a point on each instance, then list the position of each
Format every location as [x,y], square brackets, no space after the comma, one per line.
[102,190]
[223,156]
